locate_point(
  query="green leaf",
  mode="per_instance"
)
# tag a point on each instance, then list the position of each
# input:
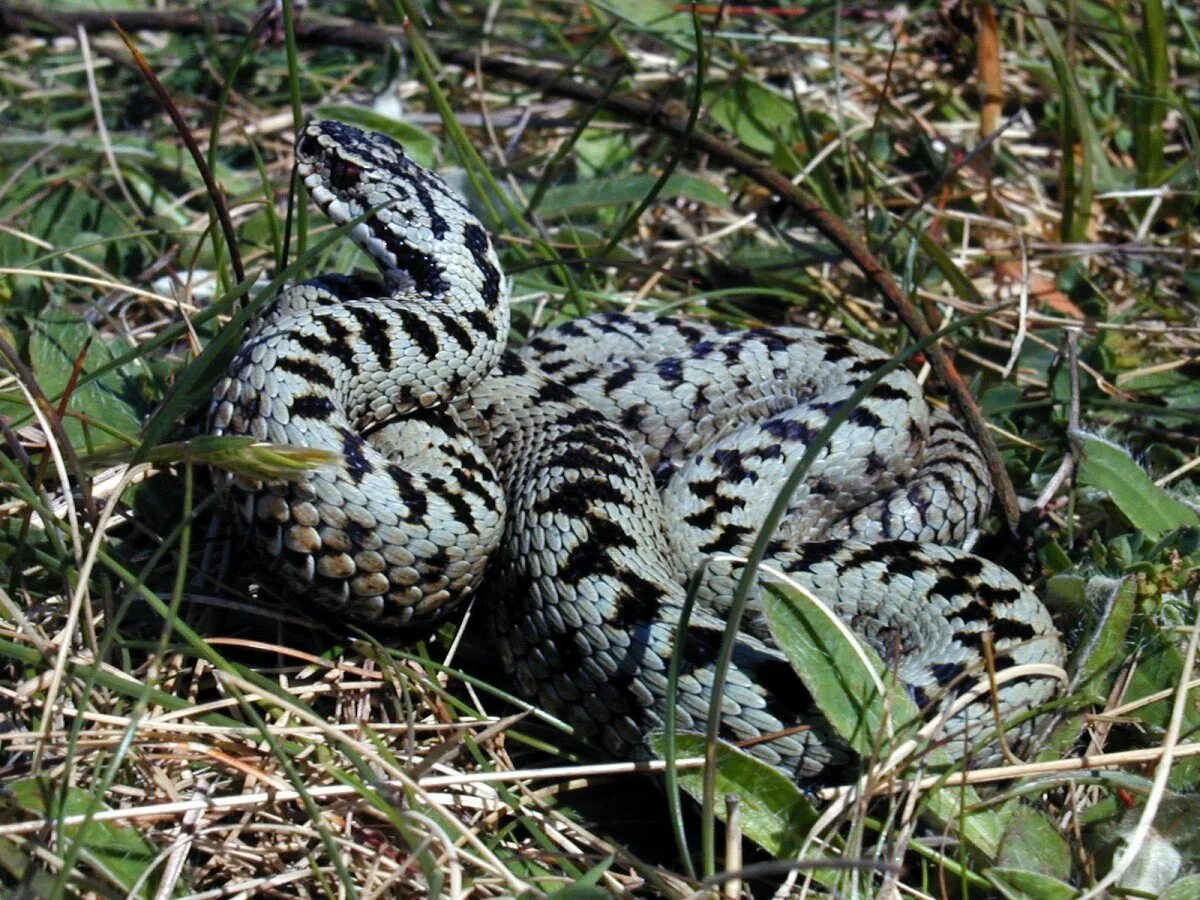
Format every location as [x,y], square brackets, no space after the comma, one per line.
[118,854]
[1033,843]
[955,277]
[1159,669]
[1105,643]
[580,892]
[1066,591]
[57,339]
[1184,889]
[1154,865]
[841,673]
[1055,558]
[619,190]
[658,16]
[137,157]
[776,815]
[833,666]
[1062,739]
[585,886]
[239,454]
[23,867]
[1018,884]
[1108,467]
[757,116]
[980,829]
[194,383]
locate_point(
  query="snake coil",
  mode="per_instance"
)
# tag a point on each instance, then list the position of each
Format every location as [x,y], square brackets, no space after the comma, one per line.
[577,482]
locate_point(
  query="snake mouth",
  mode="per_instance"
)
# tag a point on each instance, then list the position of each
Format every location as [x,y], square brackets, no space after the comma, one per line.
[309,145]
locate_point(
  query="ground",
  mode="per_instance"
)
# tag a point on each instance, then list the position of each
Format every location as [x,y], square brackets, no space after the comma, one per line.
[1024,176]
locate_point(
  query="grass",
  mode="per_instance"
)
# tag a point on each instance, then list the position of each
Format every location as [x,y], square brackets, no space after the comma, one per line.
[164,734]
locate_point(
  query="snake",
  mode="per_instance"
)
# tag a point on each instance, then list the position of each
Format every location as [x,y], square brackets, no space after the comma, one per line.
[573,485]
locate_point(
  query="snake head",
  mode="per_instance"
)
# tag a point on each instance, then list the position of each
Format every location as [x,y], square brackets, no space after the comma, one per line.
[351,164]
[412,223]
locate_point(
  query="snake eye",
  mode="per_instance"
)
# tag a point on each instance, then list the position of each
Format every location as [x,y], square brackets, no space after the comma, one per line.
[344,175]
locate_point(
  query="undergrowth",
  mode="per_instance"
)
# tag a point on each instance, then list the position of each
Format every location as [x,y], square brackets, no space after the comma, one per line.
[167,731]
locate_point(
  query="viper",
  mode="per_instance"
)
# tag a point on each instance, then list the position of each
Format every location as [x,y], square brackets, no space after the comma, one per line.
[573,485]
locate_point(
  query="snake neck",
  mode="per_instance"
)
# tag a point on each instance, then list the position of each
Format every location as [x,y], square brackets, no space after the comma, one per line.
[433,253]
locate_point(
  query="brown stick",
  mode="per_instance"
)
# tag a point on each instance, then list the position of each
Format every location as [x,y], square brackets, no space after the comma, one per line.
[215,194]
[348,33]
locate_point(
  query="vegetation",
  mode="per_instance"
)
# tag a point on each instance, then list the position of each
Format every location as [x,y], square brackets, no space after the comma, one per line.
[1027,174]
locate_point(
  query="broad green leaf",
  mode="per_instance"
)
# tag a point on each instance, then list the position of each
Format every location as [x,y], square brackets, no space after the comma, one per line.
[57,339]
[775,813]
[599,151]
[25,868]
[1063,738]
[1179,389]
[1169,848]
[1108,467]
[118,853]
[833,668]
[757,116]
[1018,884]
[1106,640]
[1184,889]
[618,190]
[658,16]
[1033,843]
[981,829]
[1155,864]
[1055,558]
[1067,591]
[999,399]
[1159,669]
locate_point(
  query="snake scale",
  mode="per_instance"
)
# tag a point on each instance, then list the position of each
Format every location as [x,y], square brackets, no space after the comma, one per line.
[575,483]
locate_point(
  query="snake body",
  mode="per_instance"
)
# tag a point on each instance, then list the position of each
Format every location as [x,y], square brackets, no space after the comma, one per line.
[576,483]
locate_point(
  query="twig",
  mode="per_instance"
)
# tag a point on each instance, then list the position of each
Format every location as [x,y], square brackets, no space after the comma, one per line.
[733,846]
[1067,466]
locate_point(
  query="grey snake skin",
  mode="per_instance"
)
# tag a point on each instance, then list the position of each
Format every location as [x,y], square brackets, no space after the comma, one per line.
[575,483]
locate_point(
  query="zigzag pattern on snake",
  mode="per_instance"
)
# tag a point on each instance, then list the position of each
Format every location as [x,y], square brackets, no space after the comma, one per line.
[577,482]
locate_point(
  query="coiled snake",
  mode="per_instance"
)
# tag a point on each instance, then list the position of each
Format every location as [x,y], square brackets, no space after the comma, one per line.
[575,483]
